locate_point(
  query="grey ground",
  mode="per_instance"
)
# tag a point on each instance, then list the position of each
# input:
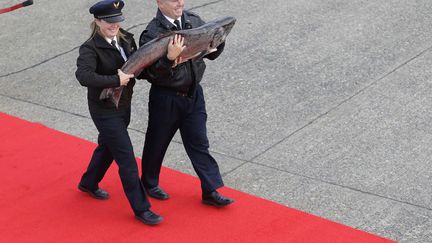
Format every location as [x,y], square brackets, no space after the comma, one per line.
[320,105]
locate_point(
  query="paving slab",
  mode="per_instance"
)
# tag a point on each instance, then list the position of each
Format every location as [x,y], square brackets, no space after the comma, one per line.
[404,223]
[378,141]
[301,66]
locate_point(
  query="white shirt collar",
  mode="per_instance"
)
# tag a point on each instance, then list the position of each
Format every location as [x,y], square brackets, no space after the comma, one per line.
[109,40]
[172,20]
[123,54]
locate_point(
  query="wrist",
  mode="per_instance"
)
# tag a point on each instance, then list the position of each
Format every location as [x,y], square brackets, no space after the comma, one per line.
[166,61]
[171,58]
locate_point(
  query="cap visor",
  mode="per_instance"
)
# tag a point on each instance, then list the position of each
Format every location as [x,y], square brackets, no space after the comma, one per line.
[114,19]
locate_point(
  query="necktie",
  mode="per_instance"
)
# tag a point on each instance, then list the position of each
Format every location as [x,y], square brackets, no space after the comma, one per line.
[119,48]
[113,43]
[177,23]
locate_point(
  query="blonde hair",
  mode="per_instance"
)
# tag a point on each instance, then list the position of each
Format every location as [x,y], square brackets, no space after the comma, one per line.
[94,28]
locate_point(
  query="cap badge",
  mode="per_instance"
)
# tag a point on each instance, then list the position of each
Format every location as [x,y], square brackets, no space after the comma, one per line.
[116,5]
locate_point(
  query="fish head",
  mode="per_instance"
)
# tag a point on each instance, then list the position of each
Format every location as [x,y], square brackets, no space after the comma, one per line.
[223,27]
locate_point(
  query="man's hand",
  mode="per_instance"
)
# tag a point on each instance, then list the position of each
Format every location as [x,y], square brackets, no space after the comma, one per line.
[124,78]
[177,61]
[175,47]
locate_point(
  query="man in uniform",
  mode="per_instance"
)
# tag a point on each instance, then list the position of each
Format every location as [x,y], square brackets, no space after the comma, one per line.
[177,102]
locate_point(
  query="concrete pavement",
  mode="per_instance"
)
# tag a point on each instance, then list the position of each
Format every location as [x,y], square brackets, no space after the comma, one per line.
[321,105]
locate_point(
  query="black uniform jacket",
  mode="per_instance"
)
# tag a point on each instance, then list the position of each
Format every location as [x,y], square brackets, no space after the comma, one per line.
[97,66]
[184,76]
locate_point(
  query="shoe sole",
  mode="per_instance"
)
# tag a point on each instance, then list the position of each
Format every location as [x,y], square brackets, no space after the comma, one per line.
[155,197]
[215,204]
[158,198]
[81,188]
[147,222]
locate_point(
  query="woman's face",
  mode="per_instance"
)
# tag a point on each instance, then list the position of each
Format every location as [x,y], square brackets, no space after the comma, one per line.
[108,29]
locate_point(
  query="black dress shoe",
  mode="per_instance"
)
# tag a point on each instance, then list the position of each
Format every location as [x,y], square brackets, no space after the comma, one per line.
[158,193]
[148,217]
[98,193]
[216,199]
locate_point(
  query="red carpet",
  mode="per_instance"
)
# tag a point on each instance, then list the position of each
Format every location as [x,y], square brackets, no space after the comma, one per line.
[39,171]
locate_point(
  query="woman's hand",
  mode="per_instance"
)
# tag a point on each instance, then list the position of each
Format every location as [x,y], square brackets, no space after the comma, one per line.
[175,47]
[124,78]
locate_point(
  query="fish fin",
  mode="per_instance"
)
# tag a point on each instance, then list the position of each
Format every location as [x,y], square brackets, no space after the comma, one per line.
[199,55]
[112,94]
[202,54]
[105,94]
[116,95]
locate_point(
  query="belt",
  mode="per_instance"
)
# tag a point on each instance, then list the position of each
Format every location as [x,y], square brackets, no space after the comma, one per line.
[183,94]
[169,91]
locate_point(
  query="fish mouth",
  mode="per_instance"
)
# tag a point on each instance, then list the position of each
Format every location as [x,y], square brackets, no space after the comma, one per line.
[227,23]
[224,26]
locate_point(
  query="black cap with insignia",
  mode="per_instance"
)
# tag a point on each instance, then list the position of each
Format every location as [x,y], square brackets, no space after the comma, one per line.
[108,10]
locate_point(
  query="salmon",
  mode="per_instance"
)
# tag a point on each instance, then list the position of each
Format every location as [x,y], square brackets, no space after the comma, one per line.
[198,41]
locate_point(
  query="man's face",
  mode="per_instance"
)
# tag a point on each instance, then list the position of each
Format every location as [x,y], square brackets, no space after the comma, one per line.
[171,8]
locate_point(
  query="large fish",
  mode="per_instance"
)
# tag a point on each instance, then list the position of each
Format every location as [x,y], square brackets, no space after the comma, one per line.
[198,41]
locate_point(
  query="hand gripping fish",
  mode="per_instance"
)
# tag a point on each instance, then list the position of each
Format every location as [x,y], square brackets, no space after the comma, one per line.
[198,41]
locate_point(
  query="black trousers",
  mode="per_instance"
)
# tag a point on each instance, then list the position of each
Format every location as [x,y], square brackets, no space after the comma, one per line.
[114,143]
[169,112]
